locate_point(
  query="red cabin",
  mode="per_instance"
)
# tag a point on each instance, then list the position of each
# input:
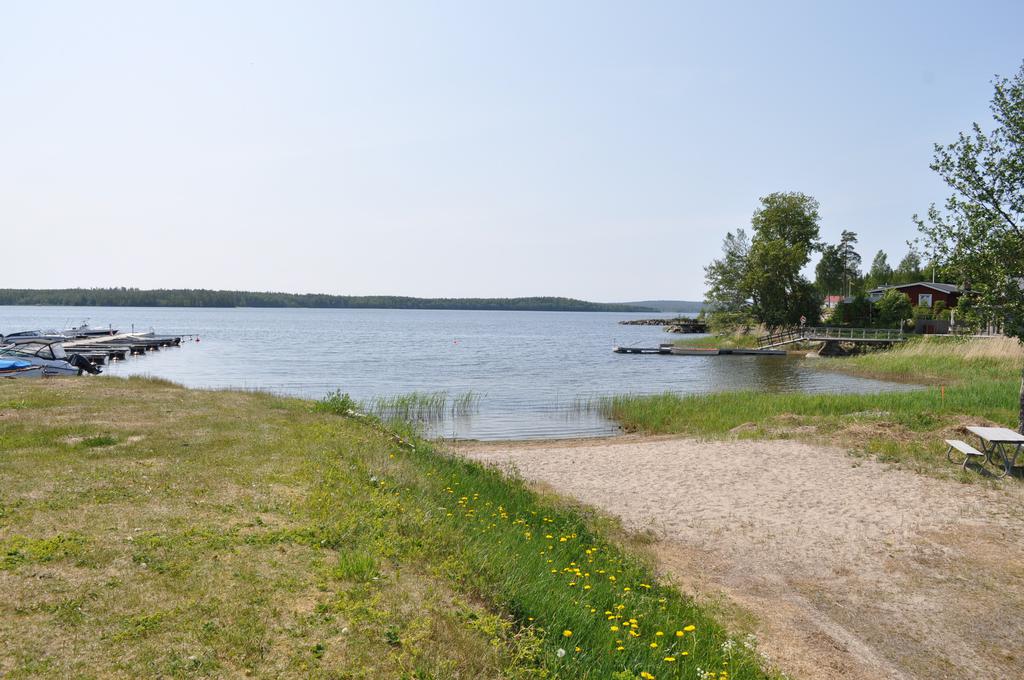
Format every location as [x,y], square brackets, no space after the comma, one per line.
[922,293]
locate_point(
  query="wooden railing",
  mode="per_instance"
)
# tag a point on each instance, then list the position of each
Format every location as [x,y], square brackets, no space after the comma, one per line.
[818,333]
[780,338]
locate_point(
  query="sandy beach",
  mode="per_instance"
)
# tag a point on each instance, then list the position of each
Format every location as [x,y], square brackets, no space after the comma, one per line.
[841,567]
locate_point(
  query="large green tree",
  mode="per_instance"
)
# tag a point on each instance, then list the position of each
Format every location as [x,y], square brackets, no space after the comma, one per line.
[726,279]
[979,237]
[851,259]
[786,232]
[880,273]
[828,273]
[909,268]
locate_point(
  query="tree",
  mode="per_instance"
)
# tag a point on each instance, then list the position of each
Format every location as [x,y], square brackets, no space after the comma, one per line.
[786,232]
[909,268]
[893,308]
[828,274]
[880,273]
[726,276]
[851,259]
[979,236]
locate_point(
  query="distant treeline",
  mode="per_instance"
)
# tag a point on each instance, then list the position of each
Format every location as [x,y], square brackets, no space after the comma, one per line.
[181,297]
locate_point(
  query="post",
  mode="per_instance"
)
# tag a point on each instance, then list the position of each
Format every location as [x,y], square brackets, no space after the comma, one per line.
[1020,417]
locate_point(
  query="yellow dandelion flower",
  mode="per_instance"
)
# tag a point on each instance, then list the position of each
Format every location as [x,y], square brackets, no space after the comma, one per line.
[679,633]
[613,628]
[654,645]
[670,659]
[690,629]
[658,634]
[567,633]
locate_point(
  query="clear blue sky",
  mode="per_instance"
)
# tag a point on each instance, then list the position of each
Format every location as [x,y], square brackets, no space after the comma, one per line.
[594,150]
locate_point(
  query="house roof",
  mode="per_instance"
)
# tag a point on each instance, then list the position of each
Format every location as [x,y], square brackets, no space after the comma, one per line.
[941,287]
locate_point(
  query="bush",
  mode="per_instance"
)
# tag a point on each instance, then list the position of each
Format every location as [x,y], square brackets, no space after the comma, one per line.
[857,312]
[338,403]
[893,308]
[922,312]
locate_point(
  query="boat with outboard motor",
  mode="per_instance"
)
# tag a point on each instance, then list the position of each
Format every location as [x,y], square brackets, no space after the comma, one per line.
[50,356]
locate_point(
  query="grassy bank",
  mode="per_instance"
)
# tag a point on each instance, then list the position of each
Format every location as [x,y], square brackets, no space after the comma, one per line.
[148,530]
[963,382]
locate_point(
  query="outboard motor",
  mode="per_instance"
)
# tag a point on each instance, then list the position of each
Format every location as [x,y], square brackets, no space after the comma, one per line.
[83,364]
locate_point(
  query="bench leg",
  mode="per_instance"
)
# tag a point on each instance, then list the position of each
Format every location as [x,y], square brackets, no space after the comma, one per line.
[949,457]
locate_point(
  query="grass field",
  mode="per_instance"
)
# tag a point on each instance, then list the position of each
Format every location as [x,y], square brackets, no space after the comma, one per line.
[147,530]
[963,382]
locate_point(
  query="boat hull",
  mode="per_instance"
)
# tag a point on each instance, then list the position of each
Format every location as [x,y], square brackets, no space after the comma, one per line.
[26,372]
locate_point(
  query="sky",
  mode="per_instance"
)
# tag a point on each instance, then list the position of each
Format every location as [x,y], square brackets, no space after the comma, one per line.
[444,149]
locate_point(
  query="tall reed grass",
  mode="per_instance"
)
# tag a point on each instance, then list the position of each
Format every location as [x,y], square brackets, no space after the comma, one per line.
[423,407]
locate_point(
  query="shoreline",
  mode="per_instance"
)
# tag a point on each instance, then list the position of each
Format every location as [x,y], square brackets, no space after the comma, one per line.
[799,543]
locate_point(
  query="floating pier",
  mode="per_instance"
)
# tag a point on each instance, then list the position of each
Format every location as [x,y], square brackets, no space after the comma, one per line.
[117,347]
[696,351]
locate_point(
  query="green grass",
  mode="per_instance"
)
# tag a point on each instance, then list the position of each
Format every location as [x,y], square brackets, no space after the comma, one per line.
[963,382]
[226,533]
[719,341]
[421,407]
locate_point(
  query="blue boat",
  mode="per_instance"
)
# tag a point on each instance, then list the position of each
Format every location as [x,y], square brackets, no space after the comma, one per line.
[20,369]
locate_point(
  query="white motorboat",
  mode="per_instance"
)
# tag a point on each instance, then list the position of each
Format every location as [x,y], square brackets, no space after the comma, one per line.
[87,331]
[50,356]
[31,336]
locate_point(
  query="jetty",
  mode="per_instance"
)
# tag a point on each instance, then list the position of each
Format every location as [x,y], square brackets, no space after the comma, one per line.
[106,348]
[674,350]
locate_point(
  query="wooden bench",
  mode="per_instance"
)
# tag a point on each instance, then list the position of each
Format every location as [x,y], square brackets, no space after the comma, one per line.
[966,449]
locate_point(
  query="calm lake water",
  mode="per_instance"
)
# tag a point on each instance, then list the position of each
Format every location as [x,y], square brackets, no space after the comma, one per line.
[529,368]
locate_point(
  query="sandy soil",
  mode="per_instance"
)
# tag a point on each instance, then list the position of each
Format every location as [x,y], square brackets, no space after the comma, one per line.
[849,569]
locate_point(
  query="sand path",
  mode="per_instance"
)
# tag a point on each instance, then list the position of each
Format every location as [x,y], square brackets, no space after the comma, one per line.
[850,569]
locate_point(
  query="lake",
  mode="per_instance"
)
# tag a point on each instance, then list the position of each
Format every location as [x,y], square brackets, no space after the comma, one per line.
[529,369]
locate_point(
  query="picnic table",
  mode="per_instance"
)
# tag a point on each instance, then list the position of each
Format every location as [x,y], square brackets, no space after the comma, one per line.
[1002,440]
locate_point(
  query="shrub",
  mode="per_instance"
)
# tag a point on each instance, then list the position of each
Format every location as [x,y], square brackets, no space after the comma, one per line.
[338,403]
[893,308]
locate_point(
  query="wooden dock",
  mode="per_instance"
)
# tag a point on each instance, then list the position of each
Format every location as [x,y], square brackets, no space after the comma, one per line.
[107,348]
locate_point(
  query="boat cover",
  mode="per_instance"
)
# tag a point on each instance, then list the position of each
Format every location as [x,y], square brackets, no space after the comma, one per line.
[8,365]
